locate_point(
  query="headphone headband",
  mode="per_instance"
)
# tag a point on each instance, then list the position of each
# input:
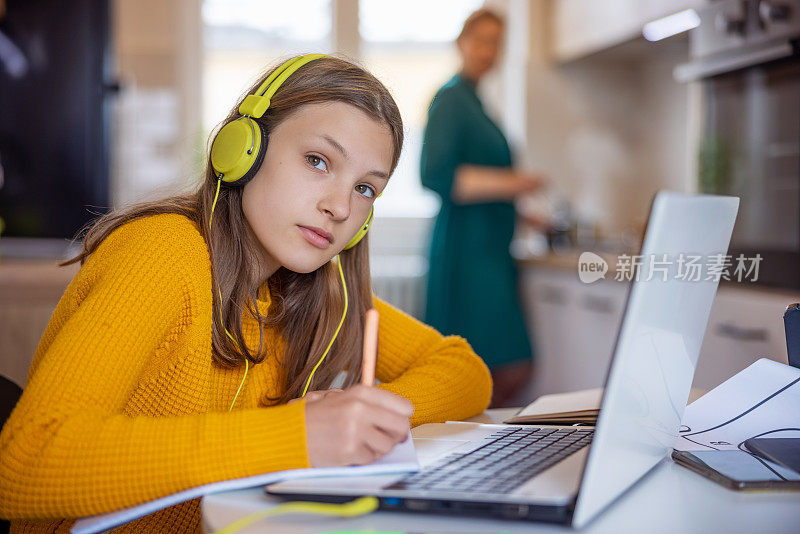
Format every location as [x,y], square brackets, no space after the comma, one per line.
[239,147]
[256,104]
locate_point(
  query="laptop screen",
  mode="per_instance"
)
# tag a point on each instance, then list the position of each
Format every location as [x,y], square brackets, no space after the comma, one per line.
[658,343]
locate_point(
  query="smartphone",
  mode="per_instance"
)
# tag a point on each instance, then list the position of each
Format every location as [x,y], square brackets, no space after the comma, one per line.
[791,322]
[738,470]
[783,451]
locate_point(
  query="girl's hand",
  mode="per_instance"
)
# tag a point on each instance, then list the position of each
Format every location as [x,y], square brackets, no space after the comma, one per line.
[356,426]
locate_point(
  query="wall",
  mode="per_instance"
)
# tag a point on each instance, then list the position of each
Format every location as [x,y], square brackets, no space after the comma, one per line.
[608,129]
[156,143]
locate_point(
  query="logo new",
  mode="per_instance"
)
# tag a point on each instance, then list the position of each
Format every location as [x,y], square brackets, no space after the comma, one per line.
[591,267]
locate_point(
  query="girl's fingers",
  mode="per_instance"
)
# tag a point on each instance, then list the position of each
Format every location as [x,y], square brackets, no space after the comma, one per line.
[380,444]
[390,424]
[377,419]
[384,399]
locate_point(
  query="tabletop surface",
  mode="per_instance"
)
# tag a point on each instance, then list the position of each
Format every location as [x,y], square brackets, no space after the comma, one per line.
[668,499]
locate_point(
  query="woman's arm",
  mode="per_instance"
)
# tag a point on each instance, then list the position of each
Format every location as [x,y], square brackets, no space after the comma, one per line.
[441,167]
[476,183]
[441,376]
[76,446]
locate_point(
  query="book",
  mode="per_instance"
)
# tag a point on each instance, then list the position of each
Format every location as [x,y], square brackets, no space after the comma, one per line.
[562,409]
[569,408]
[402,459]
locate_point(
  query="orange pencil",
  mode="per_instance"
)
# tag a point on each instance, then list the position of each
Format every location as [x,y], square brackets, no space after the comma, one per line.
[370,347]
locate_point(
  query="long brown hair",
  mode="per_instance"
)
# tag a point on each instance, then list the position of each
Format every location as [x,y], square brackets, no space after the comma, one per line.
[305,308]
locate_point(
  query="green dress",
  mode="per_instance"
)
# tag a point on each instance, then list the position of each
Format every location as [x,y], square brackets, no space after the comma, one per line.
[472,280]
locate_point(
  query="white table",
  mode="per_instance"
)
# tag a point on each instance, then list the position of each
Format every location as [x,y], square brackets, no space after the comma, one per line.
[669,499]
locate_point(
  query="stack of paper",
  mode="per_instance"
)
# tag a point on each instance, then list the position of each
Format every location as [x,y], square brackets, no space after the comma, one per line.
[761,400]
[562,409]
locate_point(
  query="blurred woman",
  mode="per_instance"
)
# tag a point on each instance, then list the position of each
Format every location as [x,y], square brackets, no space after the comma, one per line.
[472,283]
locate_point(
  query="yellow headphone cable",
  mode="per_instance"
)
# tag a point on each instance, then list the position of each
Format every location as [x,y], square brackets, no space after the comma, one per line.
[360,506]
[247,361]
[235,158]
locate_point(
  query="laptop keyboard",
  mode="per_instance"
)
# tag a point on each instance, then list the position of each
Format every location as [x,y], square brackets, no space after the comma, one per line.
[508,459]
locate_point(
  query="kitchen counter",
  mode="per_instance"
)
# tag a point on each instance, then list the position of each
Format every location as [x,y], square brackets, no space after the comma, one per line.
[568,260]
[29,292]
[34,279]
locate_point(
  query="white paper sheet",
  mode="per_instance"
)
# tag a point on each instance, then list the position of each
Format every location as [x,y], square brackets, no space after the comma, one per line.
[761,400]
[402,458]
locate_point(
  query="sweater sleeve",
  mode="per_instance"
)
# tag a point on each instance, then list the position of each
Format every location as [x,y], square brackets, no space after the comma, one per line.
[441,376]
[69,449]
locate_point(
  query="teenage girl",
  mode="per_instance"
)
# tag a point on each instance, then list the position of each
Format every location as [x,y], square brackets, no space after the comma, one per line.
[172,356]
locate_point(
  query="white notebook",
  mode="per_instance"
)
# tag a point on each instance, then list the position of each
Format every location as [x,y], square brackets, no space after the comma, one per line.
[401,459]
[562,408]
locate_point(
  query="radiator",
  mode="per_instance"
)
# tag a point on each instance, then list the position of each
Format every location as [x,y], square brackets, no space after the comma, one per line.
[400,281]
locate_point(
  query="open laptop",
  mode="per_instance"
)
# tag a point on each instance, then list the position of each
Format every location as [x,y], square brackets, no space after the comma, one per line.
[568,474]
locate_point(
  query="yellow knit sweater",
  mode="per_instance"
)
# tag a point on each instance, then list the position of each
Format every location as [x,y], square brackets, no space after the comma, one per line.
[123,403]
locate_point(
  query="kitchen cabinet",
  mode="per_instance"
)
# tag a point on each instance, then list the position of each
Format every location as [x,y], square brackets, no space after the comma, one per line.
[574,328]
[744,325]
[573,325]
[583,27]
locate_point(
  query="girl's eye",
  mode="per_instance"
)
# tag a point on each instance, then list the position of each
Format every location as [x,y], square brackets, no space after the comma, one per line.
[366,190]
[315,161]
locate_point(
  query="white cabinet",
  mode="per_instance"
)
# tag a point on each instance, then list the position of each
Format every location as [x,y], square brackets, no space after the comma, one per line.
[574,328]
[745,325]
[583,27]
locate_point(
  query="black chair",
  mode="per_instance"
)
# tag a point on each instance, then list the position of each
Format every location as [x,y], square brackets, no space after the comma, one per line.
[9,395]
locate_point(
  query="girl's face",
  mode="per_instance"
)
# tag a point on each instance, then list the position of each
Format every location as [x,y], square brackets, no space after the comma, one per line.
[324,166]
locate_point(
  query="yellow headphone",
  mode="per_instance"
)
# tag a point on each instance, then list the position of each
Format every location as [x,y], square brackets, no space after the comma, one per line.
[236,155]
[239,147]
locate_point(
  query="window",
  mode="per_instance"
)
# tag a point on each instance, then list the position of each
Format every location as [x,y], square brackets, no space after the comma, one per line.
[410,47]
[242,38]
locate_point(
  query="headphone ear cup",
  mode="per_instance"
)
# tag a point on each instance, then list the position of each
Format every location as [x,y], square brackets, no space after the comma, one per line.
[361,232]
[262,150]
[238,151]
